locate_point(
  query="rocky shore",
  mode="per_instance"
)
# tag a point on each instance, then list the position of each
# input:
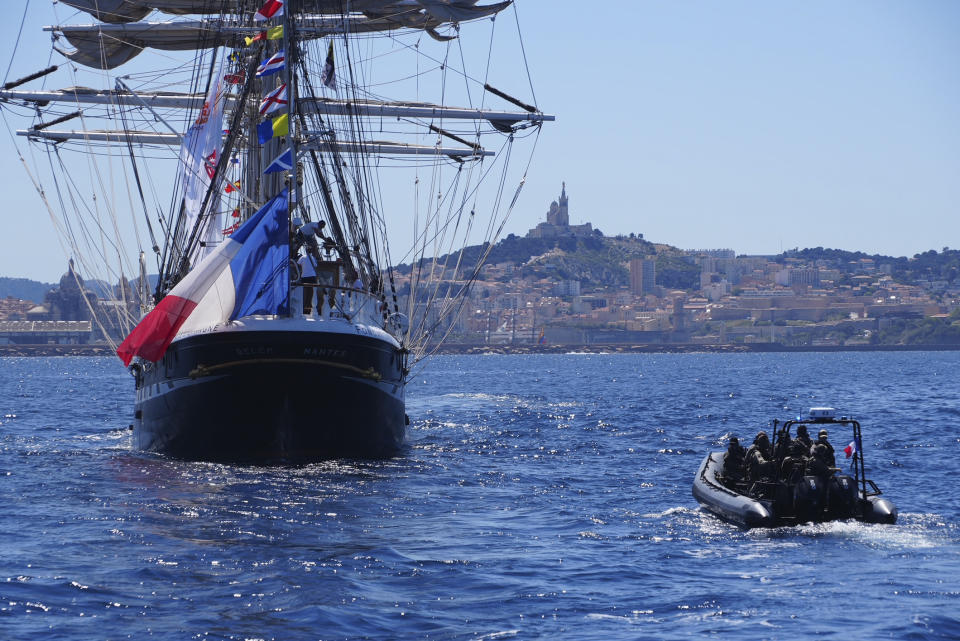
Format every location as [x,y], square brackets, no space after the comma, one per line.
[56,350]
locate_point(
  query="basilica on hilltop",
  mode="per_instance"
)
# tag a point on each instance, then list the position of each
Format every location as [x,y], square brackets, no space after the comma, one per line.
[558,221]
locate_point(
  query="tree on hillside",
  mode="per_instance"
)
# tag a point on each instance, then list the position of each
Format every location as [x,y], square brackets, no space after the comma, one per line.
[673,272]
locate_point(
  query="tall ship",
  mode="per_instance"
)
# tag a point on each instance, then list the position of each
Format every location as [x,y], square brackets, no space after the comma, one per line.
[245,170]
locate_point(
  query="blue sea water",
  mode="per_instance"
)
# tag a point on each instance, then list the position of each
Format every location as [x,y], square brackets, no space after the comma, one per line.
[541,497]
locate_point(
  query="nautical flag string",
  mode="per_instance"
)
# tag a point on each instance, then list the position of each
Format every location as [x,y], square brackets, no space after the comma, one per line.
[273,33]
[272,65]
[265,131]
[283,162]
[274,100]
[270,128]
[281,126]
[270,9]
[328,76]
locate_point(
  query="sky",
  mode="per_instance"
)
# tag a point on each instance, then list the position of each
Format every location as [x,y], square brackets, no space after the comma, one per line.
[750,125]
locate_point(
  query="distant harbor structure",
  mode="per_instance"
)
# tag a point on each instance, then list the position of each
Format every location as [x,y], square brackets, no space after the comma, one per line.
[72,301]
[558,224]
[71,314]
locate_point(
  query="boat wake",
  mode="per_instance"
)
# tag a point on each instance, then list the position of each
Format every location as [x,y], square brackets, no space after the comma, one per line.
[914,532]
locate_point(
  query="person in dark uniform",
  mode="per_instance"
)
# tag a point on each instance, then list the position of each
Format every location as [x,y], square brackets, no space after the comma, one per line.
[759,459]
[734,460]
[795,453]
[803,444]
[817,464]
[830,456]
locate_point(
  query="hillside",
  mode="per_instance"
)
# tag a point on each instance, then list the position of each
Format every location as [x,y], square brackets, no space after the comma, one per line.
[600,261]
[24,289]
[35,291]
[596,261]
[930,265]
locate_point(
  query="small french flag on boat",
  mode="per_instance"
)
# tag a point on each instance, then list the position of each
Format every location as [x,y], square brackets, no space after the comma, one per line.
[270,9]
[246,274]
[853,448]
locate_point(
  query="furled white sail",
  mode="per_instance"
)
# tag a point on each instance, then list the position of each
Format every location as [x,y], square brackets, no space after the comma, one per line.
[121,37]
[106,46]
[117,11]
[112,10]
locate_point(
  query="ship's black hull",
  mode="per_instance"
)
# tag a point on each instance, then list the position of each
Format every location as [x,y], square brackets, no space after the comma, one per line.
[273,396]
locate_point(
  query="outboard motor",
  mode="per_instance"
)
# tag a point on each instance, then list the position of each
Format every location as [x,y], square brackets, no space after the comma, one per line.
[783,500]
[842,497]
[808,499]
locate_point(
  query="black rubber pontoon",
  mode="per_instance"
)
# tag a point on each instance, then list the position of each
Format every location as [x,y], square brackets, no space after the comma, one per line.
[771,502]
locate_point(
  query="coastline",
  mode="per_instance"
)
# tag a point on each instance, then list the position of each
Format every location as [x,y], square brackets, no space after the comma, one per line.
[595,348]
[683,348]
[52,349]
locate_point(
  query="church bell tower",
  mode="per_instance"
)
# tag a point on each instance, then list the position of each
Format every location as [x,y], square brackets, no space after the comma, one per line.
[563,214]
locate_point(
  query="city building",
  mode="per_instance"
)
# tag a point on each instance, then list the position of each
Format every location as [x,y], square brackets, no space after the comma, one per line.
[643,275]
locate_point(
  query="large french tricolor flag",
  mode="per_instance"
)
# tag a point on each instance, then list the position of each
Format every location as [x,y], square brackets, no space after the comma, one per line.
[246,274]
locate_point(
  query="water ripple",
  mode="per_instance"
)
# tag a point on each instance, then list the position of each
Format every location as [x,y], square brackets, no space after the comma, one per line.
[540,497]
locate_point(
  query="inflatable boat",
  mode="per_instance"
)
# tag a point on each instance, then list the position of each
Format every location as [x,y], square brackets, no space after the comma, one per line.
[789,488]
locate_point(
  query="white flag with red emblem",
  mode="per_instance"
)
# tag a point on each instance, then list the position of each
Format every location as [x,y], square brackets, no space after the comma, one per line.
[199,154]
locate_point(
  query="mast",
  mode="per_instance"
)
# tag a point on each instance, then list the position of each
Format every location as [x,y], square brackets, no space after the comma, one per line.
[375,123]
[292,53]
[293,191]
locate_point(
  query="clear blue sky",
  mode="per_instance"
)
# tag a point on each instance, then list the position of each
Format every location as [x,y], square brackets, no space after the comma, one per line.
[751,125]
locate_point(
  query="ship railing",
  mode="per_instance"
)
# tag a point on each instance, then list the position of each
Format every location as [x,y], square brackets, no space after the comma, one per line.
[343,303]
